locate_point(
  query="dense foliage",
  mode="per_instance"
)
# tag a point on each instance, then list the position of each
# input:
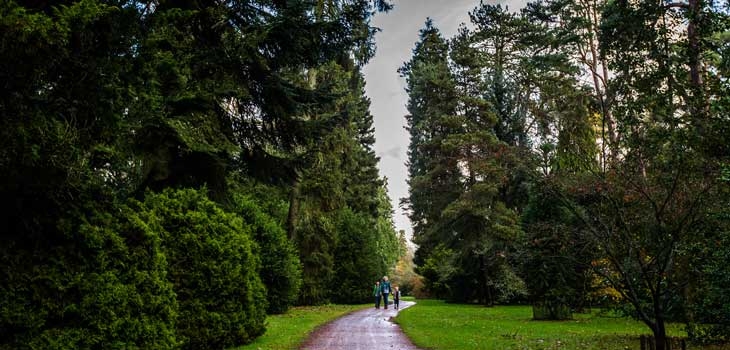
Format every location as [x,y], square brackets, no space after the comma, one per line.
[571,149]
[365,247]
[212,268]
[100,281]
[557,256]
[280,271]
[175,169]
[710,302]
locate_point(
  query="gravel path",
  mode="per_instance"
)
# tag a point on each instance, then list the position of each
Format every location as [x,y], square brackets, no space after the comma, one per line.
[362,330]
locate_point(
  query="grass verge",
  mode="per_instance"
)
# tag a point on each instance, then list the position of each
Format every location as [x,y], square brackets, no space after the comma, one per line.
[433,324]
[288,331]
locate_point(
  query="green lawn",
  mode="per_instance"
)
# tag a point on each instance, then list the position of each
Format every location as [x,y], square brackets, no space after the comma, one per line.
[436,325]
[288,331]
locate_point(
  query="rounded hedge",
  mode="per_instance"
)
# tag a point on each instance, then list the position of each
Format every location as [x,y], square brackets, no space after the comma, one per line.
[281,270]
[359,263]
[213,269]
[95,281]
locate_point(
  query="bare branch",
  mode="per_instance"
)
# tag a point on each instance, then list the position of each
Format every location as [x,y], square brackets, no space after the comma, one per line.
[676,5]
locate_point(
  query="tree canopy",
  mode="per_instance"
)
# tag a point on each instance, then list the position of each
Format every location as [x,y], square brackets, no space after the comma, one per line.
[174,169]
[572,148]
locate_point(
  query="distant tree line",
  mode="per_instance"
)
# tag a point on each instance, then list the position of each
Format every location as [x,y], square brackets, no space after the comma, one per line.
[576,154]
[174,170]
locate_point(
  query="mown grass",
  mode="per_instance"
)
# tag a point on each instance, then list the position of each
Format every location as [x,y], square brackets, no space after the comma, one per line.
[433,324]
[288,331]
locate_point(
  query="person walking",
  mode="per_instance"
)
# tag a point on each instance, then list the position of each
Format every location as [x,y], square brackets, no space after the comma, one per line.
[385,290]
[396,297]
[376,294]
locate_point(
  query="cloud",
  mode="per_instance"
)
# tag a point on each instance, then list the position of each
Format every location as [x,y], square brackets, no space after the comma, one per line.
[393,152]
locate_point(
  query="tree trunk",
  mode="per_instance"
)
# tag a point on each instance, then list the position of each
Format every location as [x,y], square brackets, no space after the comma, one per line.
[487,291]
[700,103]
[291,218]
[660,334]
[609,136]
[694,45]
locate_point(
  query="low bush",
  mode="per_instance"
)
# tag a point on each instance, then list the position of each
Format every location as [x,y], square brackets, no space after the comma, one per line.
[95,281]
[358,263]
[281,270]
[213,269]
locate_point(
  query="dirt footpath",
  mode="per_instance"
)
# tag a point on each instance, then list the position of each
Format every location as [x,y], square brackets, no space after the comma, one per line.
[362,330]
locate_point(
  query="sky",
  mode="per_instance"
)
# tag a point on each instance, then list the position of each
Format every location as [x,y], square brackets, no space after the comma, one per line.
[386,89]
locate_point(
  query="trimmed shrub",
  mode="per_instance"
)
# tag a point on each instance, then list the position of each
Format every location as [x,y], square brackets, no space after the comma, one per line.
[551,311]
[557,256]
[213,269]
[280,270]
[92,282]
[710,305]
[317,240]
[358,263]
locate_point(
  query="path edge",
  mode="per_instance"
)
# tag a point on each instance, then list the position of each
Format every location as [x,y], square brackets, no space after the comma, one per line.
[319,328]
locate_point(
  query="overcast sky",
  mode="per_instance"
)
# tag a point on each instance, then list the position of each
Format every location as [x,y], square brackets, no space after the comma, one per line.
[385,88]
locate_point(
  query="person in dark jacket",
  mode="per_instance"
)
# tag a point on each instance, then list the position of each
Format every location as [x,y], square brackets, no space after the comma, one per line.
[377,294]
[396,297]
[385,290]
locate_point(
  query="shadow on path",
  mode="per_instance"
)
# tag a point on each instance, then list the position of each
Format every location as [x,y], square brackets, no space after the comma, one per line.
[362,330]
